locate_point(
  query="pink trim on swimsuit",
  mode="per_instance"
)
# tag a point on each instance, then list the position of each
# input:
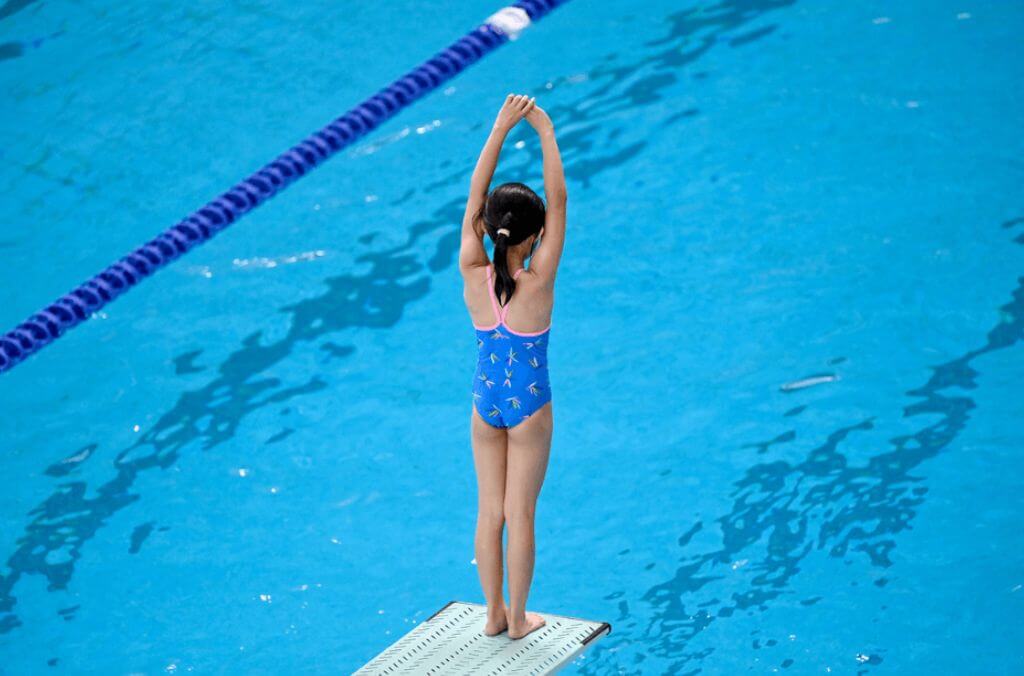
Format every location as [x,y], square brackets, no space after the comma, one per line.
[501,315]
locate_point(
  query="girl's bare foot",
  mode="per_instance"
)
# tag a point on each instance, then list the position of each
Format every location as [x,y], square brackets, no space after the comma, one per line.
[531,622]
[496,623]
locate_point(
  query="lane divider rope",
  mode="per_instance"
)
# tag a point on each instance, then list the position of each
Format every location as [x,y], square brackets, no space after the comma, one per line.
[79,304]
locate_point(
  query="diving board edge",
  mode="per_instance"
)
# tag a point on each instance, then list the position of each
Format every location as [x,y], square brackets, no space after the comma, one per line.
[603,628]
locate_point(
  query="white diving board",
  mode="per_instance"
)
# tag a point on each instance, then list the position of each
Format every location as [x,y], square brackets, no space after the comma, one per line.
[452,642]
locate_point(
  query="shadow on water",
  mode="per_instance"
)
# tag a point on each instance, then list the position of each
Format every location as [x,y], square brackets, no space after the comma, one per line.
[11,50]
[209,415]
[12,7]
[783,511]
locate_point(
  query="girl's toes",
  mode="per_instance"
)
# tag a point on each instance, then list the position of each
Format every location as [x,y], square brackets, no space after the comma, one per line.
[533,623]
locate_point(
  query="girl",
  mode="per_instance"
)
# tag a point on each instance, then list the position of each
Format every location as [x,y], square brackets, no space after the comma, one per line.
[510,306]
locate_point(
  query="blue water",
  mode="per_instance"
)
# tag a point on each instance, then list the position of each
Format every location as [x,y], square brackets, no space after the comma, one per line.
[258,460]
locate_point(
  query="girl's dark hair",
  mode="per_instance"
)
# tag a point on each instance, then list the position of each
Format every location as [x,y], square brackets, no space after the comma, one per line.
[520,211]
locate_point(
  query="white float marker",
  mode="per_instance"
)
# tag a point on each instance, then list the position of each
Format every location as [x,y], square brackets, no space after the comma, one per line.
[509,20]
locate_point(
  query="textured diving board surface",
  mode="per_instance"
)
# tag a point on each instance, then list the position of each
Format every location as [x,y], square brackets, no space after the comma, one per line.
[452,642]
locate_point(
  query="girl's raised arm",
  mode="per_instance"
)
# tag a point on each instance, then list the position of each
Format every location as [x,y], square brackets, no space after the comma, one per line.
[549,252]
[471,252]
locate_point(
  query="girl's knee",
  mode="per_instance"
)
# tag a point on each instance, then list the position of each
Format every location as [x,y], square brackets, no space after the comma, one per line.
[492,515]
[518,512]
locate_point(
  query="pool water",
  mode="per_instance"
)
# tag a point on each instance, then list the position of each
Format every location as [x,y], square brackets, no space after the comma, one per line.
[786,348]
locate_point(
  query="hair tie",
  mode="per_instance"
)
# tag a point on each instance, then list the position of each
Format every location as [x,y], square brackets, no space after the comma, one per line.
[503,231]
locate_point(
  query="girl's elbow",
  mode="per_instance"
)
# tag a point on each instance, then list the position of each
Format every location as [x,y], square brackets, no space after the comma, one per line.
[558,195]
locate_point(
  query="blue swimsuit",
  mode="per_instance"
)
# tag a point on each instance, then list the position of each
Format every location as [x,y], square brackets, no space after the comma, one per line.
[511,380]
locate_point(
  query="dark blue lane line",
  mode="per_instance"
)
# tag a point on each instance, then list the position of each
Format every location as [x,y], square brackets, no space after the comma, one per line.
[208,416]
[782,512]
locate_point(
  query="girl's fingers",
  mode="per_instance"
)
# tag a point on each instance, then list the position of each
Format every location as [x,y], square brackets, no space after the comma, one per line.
[520,104]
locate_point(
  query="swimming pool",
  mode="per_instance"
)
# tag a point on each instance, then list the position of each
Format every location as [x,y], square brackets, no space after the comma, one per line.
[786,346]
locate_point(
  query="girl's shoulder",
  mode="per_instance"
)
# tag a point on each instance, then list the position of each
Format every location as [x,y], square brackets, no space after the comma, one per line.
[534,279]
[474,272]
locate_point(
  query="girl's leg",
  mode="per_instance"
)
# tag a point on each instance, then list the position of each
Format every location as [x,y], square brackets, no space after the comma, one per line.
[490,451]
[529,444]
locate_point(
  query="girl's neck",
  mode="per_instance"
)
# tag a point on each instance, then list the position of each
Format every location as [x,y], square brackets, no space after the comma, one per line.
[514,263]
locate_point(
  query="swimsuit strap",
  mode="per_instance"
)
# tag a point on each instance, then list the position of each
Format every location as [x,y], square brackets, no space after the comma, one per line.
[498,316]
[499,312]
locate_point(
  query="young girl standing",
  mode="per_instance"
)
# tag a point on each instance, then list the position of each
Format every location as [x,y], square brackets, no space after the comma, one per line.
[510,306]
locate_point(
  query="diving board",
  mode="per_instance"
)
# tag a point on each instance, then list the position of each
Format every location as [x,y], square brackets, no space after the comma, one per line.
[452,641]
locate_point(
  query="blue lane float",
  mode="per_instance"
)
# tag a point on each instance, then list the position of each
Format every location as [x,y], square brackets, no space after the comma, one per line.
[66,312]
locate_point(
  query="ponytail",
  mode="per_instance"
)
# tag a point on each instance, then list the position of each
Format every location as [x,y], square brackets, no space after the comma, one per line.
[504,284]
[511,214]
